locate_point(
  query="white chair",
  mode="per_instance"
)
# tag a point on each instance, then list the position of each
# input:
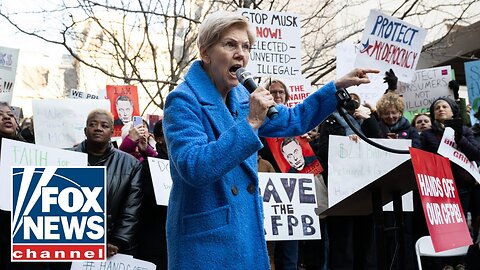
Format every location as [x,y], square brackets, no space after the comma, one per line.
[424,247]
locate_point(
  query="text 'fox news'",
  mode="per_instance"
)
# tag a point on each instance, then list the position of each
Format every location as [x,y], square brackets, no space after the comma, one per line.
[58,214]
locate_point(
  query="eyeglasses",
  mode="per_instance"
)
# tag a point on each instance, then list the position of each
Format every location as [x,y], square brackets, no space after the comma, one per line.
[277,92]
[232,46]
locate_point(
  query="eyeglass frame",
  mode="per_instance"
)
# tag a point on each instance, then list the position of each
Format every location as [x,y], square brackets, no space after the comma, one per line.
[233,46]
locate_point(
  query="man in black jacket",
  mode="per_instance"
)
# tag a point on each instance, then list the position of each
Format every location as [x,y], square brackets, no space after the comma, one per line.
[123,182]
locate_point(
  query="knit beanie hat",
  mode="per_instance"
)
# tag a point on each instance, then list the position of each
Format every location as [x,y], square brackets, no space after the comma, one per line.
[451,102]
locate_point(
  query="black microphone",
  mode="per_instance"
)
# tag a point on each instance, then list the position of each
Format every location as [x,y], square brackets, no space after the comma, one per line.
[245,77]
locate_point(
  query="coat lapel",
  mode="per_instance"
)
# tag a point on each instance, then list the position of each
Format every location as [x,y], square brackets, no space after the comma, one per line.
[211,100]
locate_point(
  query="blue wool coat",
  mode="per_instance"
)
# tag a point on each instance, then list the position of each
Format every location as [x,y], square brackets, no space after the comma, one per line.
[215,214]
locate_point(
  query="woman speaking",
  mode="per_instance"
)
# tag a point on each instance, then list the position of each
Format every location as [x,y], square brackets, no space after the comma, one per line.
[211,124]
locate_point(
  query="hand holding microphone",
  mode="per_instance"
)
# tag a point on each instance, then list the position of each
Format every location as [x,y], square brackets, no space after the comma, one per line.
[244,77]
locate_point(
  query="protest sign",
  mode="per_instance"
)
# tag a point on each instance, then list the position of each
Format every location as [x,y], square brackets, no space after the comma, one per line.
[440,201]
[353,165]
[298,89]
[277,49]
[426,86]
[294,155]
[15,153]
[472,76]
[61,122]
[289,202]
[123,105]
[8,71]
[77,94]
[371,92]
[116,262]
[161,179]
[390,43]
[447,148]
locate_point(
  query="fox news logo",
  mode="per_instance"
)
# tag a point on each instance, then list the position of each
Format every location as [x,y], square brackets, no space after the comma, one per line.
[58,213]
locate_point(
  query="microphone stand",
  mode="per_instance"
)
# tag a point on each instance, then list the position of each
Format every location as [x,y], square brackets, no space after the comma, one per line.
[343,97]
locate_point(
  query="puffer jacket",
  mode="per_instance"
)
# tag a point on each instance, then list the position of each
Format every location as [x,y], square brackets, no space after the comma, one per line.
[123,196]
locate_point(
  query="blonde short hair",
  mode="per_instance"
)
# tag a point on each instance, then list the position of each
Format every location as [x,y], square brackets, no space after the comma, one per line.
[216,24]
[388,100]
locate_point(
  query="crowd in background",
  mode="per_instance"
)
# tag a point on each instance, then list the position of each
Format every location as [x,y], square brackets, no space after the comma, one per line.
[205,108]
[347,241]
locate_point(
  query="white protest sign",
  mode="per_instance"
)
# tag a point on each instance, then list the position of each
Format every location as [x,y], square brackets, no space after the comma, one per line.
[289,202]
[352,165]
[298,89]
[277,49]
[426,86]
[118,261]
[371,92]
[448,150]
[15,153]
[61,122]
[161,179]
[390,43]
[77,94]
[8,70]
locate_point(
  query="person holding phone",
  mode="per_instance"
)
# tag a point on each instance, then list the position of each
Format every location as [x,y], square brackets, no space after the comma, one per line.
[136,142]
[393,125]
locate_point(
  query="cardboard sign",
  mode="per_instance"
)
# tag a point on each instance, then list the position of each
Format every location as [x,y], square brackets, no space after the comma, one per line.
[61,122]
[8,71]
[118,261]
[440,201]
[352,165]
[426,86]
[15,153]
[388,42]
[448,149]
[294,155]
[123,105]
[162,181]
[277,49]
[289,202]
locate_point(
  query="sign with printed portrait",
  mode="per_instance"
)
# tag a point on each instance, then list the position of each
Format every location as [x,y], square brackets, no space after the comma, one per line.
[123,105]
[294,155]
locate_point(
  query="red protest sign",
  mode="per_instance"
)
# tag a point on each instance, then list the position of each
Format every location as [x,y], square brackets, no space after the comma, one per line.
[123,105]
[441,205]
[294,155]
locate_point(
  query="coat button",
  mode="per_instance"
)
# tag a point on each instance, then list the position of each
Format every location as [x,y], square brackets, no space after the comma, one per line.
[251,188]
[234,190]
